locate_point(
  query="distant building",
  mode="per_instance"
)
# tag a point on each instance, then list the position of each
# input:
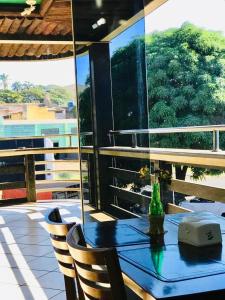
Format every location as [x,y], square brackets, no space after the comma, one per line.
[15,128]
[31,111]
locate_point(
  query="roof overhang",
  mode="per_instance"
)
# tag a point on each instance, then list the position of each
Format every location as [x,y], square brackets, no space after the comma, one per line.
[118,16]
[47,33]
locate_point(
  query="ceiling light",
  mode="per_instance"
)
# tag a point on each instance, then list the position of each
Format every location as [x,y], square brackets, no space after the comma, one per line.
[94,26]
[101,21]
[28,10]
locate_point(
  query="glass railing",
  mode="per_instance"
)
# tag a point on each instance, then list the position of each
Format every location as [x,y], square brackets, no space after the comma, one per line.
[194,177]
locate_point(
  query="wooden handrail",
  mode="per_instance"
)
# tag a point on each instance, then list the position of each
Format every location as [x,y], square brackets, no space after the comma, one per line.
[28,169]
[68,135]
[34,151]
[199,190]
[44,162]
[201,158]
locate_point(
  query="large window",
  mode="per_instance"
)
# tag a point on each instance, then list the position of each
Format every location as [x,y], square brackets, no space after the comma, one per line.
[140,104]
[186,88]
[84,96]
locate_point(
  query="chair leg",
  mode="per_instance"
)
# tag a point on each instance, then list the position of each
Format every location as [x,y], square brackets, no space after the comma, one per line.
[80,291]
[70,288]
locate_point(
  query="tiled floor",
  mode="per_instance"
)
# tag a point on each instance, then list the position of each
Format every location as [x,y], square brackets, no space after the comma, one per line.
[28,268]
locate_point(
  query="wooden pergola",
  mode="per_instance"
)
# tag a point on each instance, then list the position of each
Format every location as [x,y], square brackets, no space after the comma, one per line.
[44,34]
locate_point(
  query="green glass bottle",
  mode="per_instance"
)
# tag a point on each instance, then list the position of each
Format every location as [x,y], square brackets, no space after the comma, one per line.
[155,206]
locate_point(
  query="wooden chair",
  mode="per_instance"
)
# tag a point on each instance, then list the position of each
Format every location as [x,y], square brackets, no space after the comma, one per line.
[58,231]
[98,270]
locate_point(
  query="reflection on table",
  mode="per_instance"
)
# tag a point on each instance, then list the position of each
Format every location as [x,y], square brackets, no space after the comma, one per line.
[162,268]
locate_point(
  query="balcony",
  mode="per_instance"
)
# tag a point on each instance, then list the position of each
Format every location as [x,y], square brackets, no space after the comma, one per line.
[103,174]
[27,259]
[61,177]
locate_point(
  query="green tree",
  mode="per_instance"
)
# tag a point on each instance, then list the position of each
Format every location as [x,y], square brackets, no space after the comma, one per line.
[7,96]
[186,84]
[85,107]
[59,95]
[19,86]
[85,114]
[4,78]
[33,93]
[128,90]
[29,92]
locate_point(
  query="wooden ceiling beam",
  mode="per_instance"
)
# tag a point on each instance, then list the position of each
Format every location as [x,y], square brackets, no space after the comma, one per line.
[50,28]
[45,5]
[13,50]
[15,26]
[22,50]
[32,49]
[6,25]
[4,50]
[35,39]
[33,26]
[25,24]
[150,7]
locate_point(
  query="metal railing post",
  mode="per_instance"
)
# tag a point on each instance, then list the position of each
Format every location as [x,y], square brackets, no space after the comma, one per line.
[111,139]
[216,141]
[70,140]
[134,140]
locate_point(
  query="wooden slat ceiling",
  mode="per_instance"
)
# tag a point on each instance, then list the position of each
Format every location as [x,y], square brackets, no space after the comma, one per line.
[32,51]
[34,26]
[44,34]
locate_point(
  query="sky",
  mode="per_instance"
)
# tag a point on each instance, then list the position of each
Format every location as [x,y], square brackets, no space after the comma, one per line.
[59,72]
[207,14]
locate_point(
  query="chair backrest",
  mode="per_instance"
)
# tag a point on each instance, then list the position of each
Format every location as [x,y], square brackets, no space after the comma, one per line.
[58,231]
[98,270]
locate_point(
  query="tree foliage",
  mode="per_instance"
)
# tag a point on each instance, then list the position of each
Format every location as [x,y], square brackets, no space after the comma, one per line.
[4,78]
[85,114]
[128,86]
[26,92]
[186,84]
[58,94]
[8,96]
[85,107]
